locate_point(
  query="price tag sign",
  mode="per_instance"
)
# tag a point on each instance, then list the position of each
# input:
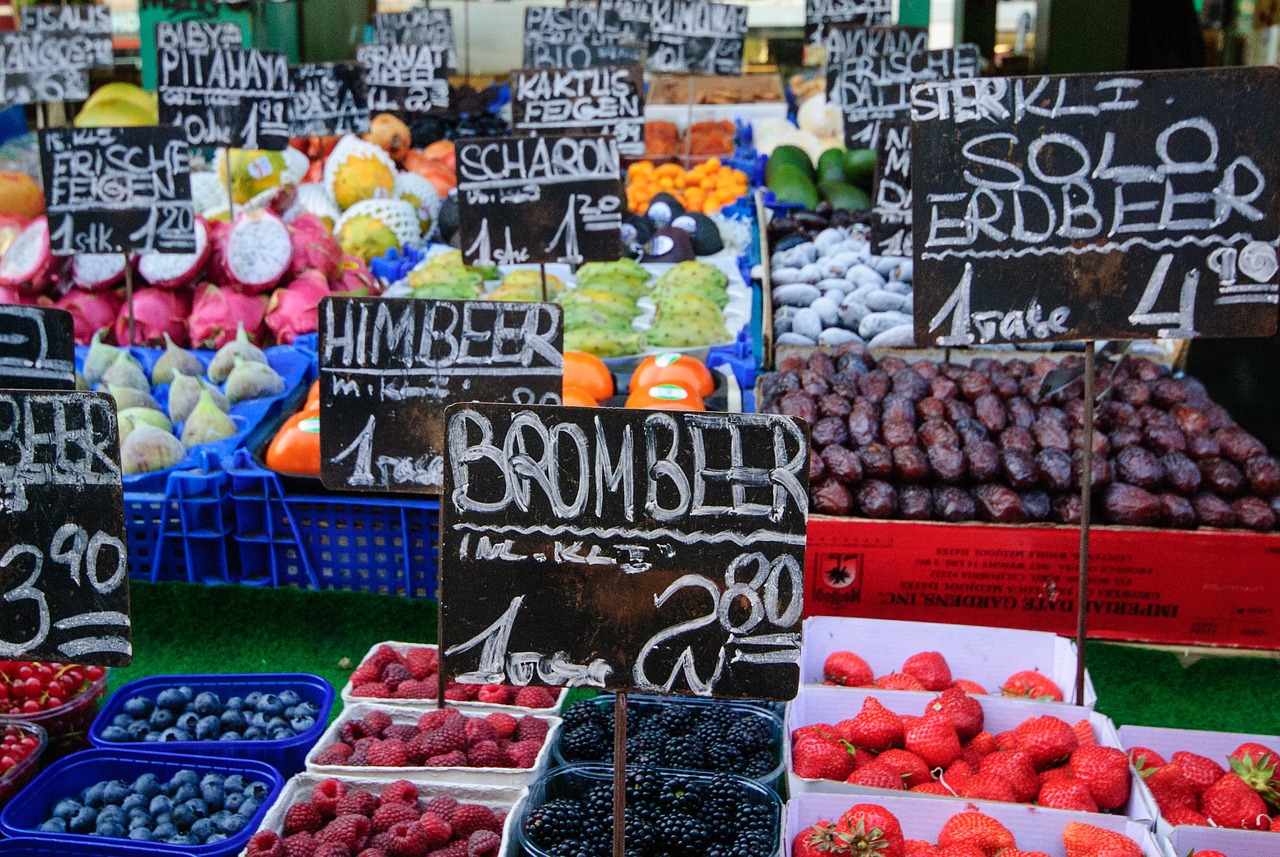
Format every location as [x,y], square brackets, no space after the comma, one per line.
[540,199]
[635,15]
[1118,206]
[221,95]
[118,190]
[389,367]
[658,552]
[406,79]
[852,43]
[821,16]
[64,586]
[578,37]
[431,28]
[329,99]
[696,37]
[891,206]
[36,68]
[609,100]
[37,348]
[84,32]
[874,90]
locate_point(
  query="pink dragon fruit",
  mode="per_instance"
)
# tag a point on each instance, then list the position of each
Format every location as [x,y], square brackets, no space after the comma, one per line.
[97,272]
[91,311]
[356,279]
[10,295]
[295,309]
[218,311]
[155,313]
[258,252]
[175,270]
[29,264]
[314,248]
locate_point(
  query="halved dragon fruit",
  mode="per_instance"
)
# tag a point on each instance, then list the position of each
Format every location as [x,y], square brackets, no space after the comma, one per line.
[258,252]
[29,265]
[295,309]
[91,310]
[174,270]
[217,312]
[97,272]
[155,313]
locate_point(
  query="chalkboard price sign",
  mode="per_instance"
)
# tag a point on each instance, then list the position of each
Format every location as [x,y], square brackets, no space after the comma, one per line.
[696,37]
[389,368]
[64,587]
[820,16]
[609,100]
[431,28]
[221,95]
[36,68]
[540,199]
[406,79]
[891,209]
[624,550]
[578,37]
[874,89]
[635,15]
[845,42]
[1097,206]
[37,348]
[118,190]
[84,32]
[329,99]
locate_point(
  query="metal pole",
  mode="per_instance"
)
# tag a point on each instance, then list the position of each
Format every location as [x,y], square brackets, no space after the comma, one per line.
[619,773]
[1086,504]
[128,295]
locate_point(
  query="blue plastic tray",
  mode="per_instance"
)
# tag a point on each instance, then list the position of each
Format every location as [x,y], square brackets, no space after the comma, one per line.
[294,366]
[286,756]
[99,847]
[69,776]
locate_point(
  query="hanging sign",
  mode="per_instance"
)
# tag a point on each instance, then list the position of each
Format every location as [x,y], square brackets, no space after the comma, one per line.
[578,37]
[329,99]
[696,37]
[37,348]
[609,100]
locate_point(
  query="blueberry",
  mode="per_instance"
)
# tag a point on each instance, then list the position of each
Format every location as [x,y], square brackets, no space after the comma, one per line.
[115,792]
[208,729]
[234,783]
[251,701]
[258,719]
[161,719]
[188,721]
[53,825]
[235,703]
[282,733]
[301,724]
[208,703]
[171,700]
[123,721]
[138,730]
[233,801]
[183,817]
[133,802]
[306,709]
[270,704]
[66,808]
[230,736]
[257,789]
[234,720]
[93,796]
[164,818]
[184,777]
[187,693]
[111,829]
[249,807]
[290,697]
[112,812]
[160,804]
[213,795]
[139,706]
[202,829]
[183,839]
[164,832]
[175,734]
[83,821]
[253,733]
[230,825]
[184,793]
[141,818]
[198,806]
[141,834]
[151,737]
[215,837]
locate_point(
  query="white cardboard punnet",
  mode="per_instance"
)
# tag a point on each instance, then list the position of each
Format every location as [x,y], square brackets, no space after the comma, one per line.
[1185,840]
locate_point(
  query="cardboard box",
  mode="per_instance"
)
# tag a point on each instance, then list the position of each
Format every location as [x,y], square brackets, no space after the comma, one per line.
[1193,587]
[833,704]
[1233,843]
[982,654]
[715,89]
[1034,828]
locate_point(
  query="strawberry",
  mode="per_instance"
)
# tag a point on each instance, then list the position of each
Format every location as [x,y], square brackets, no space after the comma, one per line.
[535,697]
[978,748]
[1170,788]
[919,848]
[876,775]
[1104,772]
[302,816]
[1256,765]
[1084,733]
[899,681]
[400,791]
[875,728]
[1259,754]
[960,849]
[1016,768]
[1207,853]
[483,843]
[910,767]
[1085,840]
[1144,759]
[970,687]
[930,669]
[470,817]
[932,788]
[821,760]
[1018,852]
[982,786]
[1030,684]
[1200,771]
[871,830]
[1047,740]
[821,731]
[956,775]
[1231,802]
[973,828]
[1066,794]
[933,738]
[264,843]
[1055,775]
[350,830]
[964,711]
[389,815]
[437,829]
[1185,816]
[847,669]
[818,840]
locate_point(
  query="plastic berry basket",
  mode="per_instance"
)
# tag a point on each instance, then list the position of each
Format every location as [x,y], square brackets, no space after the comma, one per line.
[29,847]
[576,780]
[13,780]
[653,705]
[67,777]
[288,756]
[67,725]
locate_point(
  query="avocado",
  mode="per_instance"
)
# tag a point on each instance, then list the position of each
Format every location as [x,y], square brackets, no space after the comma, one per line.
[831,166]
[845,196]
[860,167]
[788,156]
[790,184]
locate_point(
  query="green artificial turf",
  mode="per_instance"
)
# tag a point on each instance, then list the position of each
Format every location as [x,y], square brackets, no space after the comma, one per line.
[189,628]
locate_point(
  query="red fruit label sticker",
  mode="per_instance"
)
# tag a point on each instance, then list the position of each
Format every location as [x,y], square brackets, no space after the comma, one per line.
[260,167]
[669,392]
[311,425]
[665,360]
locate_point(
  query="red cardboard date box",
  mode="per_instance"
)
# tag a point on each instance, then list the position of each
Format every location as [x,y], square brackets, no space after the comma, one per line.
[1193,587]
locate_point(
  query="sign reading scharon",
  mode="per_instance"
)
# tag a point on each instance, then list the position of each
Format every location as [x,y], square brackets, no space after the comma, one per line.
[658,552]
[406,79]
[540,199]
[118,190]
[578,37]
[820,16]
[63,561]
[1120,206]
[389,367]
[37,348]
[608,99]
[329,98]
[696,37]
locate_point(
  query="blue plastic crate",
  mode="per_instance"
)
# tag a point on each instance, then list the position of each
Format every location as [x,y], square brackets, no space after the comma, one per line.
[286,756]
[353,542]
[28,847]
[69,776]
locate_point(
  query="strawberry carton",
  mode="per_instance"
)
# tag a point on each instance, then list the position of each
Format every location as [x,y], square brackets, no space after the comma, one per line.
[1191,779]
[999,660]
[959,747]
[1026,828]
[1186,841]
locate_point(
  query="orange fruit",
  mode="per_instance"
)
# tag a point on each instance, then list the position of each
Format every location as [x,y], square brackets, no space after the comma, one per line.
[313,396]
[673,368]
[588,374]
[20,195]
[572,397]
[665,397]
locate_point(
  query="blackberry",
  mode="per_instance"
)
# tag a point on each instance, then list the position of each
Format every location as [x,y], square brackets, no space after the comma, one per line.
[677,719]
[586,741]
[754,818]
[683,751]
[557,821]
[724,757]
[761,764]
[683,834]
[749,734]
[586,712]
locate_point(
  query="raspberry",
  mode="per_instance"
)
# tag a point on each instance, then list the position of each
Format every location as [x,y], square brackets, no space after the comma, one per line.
[453,849]
[351,830]
[363,745]
[390,753]
[452,759]
[401,791]
[414,689]
[301,844]
[265,843]
[372,852]
[458,693]
[535,697]
[532,729]
[389,815]
[382,656]
[326,794]
[376,721]
[437,829]
[364,674]
[483,843]
[443,806]
[332,849]
[302,816]
[470,817]
[480,730]
[352,731]
[335,754]
[372,690]
[422,662]
[359,759]
[504,725]
[525,753]
[485,754]
[435,718]
[451,736]
[409,840]
[357,803]
[495,694]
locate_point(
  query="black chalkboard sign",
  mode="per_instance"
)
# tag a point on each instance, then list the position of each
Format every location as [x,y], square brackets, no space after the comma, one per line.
[540,199]
[390,366]
[635,15]
[847,42]
[820,16]
[118,190]
[36,68]
[1097,206]
[891,205]
[405,79]
[624,550]
[609,100]
[696,37]
[37,348]
[578,37]
[329,99]
[221,95]
[83,31]
[64,586]
[430,27]
[874,90]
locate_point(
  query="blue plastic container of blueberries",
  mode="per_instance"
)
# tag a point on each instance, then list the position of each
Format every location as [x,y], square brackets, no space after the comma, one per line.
[99,847]
[68,777]
[288,756]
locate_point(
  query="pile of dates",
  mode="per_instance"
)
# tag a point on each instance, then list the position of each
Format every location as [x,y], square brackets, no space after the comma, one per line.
[786,232]
[932,441]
